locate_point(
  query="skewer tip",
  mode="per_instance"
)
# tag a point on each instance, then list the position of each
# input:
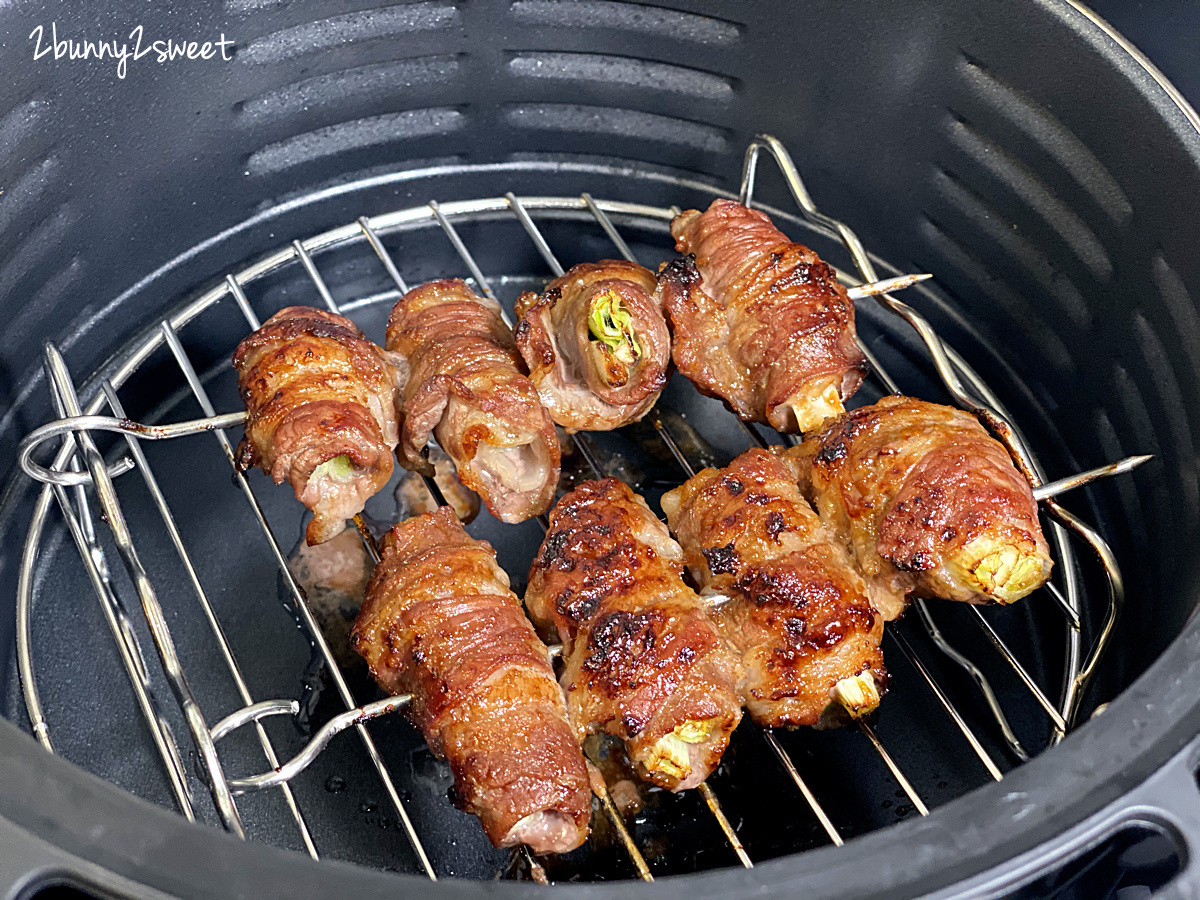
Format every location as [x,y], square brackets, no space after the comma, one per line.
[887,286]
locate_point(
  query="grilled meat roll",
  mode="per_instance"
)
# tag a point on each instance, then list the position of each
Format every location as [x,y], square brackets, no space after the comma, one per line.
[321,412]
[790,600]
[642,658]
[759,321]
[596,344]
[439,622]
[465,386]
[928,502]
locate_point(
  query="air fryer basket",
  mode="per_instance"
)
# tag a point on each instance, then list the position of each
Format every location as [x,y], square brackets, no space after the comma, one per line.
[1018,153]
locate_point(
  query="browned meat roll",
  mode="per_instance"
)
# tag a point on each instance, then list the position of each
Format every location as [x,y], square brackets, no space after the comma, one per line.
[759,321]
[928,502]
[642,658]
[465,386]
[789,598]
[321,412]
[596,344]
[439,622]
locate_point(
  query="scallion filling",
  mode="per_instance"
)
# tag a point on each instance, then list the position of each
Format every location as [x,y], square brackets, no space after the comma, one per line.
[340,467]
[612,325]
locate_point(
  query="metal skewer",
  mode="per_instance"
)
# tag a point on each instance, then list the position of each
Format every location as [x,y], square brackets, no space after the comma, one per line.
[306,617]
[589,457]
[610,809]
[900,777]
[1054,488]
[875,288]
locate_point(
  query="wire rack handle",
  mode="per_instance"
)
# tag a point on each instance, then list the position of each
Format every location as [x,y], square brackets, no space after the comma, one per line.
[75,424]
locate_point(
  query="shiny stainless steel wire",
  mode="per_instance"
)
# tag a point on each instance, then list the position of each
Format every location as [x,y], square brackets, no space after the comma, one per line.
[865,727]
[951,710]
[1062,485]
[214,624]
[82,423]
[301,606]
[976,675]
[611,812]
[60,379]
[131,658]
[368,229]
[983,403]
[302,760]
[253,713]
[905,785]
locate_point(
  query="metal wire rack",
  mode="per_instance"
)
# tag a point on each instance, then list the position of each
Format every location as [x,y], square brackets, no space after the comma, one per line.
[78,463]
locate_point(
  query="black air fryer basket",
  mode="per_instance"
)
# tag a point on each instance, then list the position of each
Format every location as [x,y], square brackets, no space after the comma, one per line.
[154,212]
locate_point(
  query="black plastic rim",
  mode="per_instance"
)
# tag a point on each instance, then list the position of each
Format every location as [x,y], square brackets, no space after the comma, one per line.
[70,825]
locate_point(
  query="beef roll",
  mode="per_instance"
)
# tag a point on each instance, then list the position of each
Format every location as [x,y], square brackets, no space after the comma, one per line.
[759,321]
[642,658]
[786,594]
[320,412]
[596,344]
[928,502]
[465,386]
[440,623]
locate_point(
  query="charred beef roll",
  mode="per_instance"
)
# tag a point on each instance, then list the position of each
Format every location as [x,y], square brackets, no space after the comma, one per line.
[321,412]
[928,503]
[759,321]
[596,344]
[440,623]
[466,388]
[789,599]
[642,658]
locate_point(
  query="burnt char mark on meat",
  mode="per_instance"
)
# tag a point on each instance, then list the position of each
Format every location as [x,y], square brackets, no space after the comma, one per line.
[921,561]
[830,632]
[786,588]
[602,579]
[816,273]
[612,571]
[775,525]
[733,485]
[593,541]
[812,610]
[832,452]
[552,552]
[616,645]
[245,455]
[721,560]
[633,724]
[682,272]
[579,606]
[838,438]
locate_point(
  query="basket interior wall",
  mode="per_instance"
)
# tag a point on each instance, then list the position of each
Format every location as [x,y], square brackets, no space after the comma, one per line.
[1052,202]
